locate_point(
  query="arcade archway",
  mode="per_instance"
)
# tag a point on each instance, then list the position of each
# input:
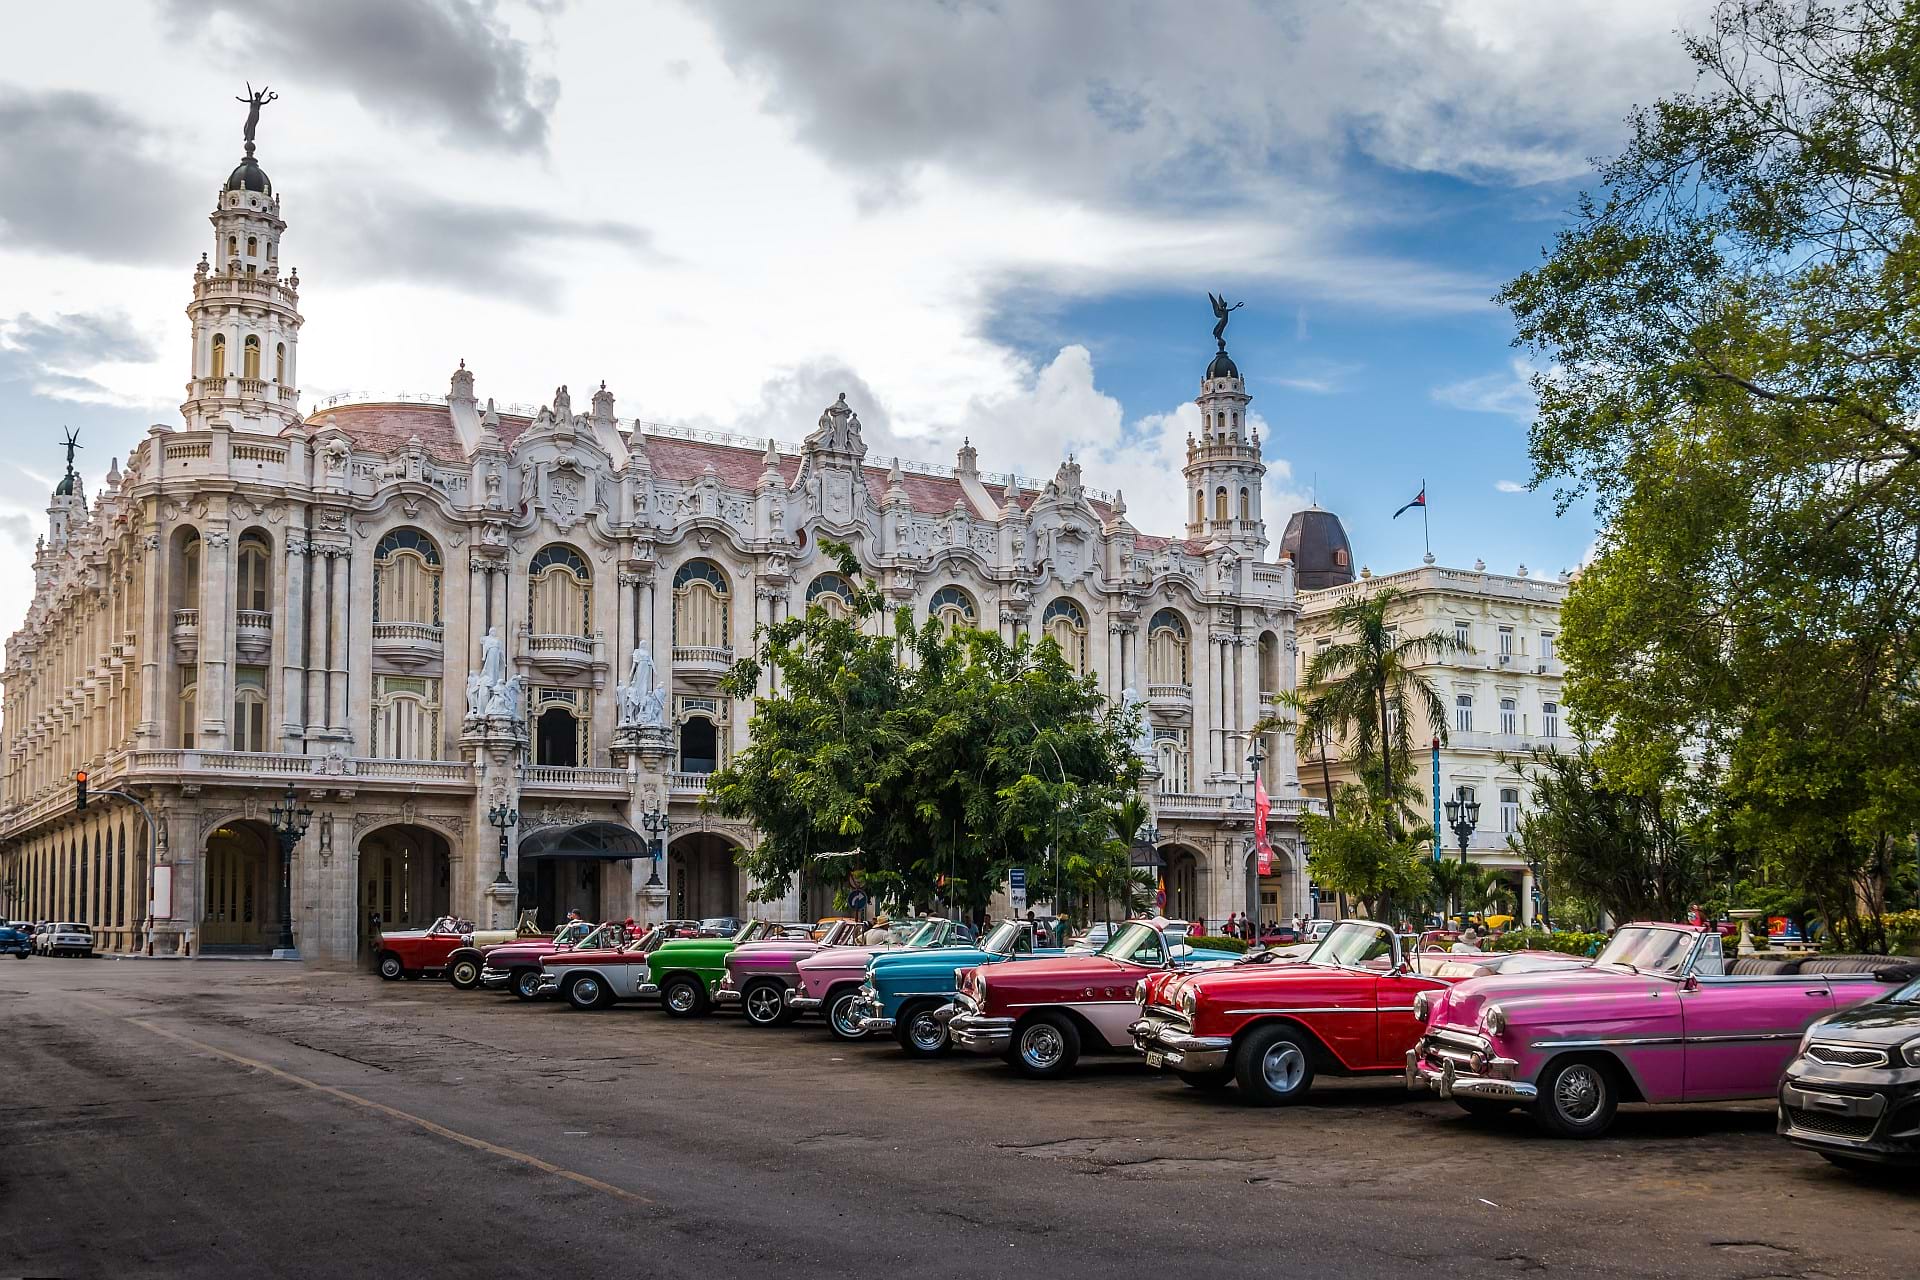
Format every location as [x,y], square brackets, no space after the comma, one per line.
[406,877]
[702,878]
[239,911]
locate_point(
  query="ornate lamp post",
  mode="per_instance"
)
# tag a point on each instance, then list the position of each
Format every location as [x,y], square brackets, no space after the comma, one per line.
[1463,815]
[1255,759]
[655,823]
[290,820]
[504,819]
[1538,870]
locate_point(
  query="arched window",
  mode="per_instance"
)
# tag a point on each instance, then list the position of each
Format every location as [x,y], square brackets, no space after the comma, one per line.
[249,708]
[233,246]
[1509,716]
[700,598]
[1170,753]
[699,745]
[280,362]
[1246,506]
[559,593]
[1167,652]
[250,357]
[1509,809]
[1236,421]
[952,607]
[190,573]
[189,712]
[255,573]
[1220,503]
[218,369]
[253,247]
[1269,664]
[831,592]
[1199,505]
[406,718]
[1549,719]
[406,579]
[1067,627]
[1463,713]
[560,727]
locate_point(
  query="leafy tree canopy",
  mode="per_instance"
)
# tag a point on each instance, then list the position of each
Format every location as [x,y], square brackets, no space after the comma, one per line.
[1352,852]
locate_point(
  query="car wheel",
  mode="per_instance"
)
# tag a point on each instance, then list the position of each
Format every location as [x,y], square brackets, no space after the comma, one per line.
[587,991]
[1210,1082]
[1274,1067]
[389,966]
[920,1033]
[1483,1108]
[526,984]
[1045,1046]
[1578,1097]
[464,974]
[840,1017]
[764,1003]
[683,997]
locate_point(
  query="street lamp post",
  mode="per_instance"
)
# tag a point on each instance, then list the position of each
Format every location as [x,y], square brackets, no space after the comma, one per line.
[1463,815]
[290,819]
[1539,871]
[655,823]
[1255,758]
[504,819]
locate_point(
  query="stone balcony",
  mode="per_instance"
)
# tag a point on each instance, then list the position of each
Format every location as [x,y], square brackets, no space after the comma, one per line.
[253,633]
[702,663]
[564,780]
[186,633]
[562,654]
[687,784]
[408,644]
[1173,701]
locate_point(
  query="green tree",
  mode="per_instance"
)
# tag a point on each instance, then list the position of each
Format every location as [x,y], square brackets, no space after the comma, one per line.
[943,756]
[1364,688]
[1307,719]
[1359,851]
[1453,883]
[1730,342]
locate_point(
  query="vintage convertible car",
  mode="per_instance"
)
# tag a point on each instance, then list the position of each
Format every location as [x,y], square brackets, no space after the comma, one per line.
[684,972]
[1273,1022]
[515,966]
[905,989]
[829,980]
[1852,1094]
[1658,1018]
[412,953]
[1042,1016]
[759,975]
[593,977]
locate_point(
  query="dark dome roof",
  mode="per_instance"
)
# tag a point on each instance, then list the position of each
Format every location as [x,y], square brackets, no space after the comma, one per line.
[1223,366]
[1322,556]
[249,176]
[67,486]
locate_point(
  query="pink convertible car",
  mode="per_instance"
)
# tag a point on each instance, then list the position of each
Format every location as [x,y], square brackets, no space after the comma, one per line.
[1658,1018]
[829,980]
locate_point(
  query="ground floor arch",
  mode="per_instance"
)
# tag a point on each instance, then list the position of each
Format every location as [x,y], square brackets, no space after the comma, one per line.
[702,878]
[239,888]
[406,877]
[1180,876]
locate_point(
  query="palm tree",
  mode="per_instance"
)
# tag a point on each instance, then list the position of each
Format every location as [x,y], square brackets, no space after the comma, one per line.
[1452,881]
[1305,717]
[1369,690]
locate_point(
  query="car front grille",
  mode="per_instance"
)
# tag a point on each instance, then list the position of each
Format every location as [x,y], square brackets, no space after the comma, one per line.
[1832,1126]
[1846,1055]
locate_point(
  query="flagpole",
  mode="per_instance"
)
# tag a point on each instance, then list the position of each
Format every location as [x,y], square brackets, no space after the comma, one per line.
[1425,530]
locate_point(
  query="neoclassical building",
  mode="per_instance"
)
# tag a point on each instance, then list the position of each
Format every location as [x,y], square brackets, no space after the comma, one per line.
[420,614]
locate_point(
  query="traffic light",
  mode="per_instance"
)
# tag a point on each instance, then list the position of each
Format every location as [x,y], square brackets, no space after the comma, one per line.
[80,789]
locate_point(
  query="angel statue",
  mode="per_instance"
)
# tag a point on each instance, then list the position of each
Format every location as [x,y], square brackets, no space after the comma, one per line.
[255,100]
[1220,313]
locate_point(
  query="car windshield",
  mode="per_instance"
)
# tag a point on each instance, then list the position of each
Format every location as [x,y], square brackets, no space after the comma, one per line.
[1349,945]
[1646,949]
[1004,938]
[1909,994]
[1137,943]
[751,930]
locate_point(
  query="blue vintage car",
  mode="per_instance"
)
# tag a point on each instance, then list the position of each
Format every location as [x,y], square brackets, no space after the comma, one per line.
[16,941]
[904,988]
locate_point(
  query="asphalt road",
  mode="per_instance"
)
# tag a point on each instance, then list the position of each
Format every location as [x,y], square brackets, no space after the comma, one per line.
[258,1119]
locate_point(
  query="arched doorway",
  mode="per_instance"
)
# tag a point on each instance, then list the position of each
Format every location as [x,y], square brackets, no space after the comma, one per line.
[702,880]
[1183,883]
[239,911]
[406,877]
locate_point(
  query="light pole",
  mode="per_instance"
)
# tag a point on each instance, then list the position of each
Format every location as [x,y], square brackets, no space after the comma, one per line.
[655,823]
[1463,815]
[1255,758]
[290,820]
[504,819]
[1539,872]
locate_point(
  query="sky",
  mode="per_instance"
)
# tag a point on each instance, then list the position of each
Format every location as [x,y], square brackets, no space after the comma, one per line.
[995,221]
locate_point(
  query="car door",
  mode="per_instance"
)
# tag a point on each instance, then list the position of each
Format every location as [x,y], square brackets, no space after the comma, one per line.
[1395,1028]
[1739,1033]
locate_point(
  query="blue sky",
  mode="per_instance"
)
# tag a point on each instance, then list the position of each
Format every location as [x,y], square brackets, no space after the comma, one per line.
[990,222]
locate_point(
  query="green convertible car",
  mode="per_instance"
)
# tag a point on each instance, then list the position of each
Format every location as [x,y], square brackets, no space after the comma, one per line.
[684,972]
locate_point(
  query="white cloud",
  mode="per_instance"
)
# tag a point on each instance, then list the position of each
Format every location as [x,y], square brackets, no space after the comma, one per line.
[1509,392]
[1509,486]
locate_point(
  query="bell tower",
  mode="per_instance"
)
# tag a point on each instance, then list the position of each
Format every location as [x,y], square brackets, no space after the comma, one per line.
[1224,471]
[245,315]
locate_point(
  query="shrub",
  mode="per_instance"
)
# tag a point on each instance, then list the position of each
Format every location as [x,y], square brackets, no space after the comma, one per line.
[1208,942]
[1572,944]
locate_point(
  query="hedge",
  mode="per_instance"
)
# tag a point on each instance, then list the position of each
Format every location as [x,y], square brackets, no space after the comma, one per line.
[1208,942]
[1573,944]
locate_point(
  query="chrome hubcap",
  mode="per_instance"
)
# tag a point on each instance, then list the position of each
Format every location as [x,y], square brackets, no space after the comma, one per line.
[1577,1093]
[528,983]
[1283,1067]
[1041,1046]
[586,991]
[680,999]
[763,1004]
[927,1033]
[842,1017]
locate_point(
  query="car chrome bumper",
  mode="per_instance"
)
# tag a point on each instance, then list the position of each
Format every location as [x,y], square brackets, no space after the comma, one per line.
[494,978]
[1170,1048]
[647,991]
[869,1018]
[800,1003]
[1446,1081]
[974,1033]
[726,995]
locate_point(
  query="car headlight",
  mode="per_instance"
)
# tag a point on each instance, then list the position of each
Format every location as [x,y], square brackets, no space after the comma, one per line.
[980,987]
[1494,1019]
[1806,1038]
[1911,1052]
[1140,992]
[1422,1005]
[1187,1002]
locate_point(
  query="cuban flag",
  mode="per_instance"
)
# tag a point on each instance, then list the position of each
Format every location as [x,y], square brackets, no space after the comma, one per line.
[1419,500]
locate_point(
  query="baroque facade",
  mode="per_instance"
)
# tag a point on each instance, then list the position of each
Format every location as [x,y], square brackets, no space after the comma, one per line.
[419,615]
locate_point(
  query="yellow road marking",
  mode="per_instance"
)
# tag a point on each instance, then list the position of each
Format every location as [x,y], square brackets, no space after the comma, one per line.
[452,1135]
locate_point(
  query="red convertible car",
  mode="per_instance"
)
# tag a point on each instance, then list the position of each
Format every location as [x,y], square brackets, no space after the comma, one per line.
[515,966]
[1041,1015]
[414,953]
[1347,1009]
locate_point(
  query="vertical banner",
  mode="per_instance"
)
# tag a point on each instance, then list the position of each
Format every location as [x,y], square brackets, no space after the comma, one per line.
[1436,800]
[1017,888]
[162,905]
[1262,805]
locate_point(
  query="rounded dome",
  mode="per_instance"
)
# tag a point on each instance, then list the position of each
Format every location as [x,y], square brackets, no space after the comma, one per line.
[1223,366]
[249,176]
[1317,541]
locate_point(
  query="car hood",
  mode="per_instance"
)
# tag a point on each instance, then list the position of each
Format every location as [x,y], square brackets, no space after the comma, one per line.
[1877,1022]
[770,955]
[1097,967]
[1567,995]
[929,960]
[842,957]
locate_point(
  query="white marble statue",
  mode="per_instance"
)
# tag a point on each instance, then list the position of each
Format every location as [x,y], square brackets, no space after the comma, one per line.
[633,696]
[504,700]
[493,660]
[476,696]
[1131,700]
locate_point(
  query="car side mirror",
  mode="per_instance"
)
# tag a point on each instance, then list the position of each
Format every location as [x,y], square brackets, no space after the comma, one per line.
[1691,982]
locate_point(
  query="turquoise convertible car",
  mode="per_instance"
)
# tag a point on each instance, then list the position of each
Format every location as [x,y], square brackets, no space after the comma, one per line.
[903,988]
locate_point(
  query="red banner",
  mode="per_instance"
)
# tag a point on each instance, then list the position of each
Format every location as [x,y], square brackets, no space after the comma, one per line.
[1261,805]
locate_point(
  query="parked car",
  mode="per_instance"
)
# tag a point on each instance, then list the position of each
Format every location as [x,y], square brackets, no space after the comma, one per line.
[1273,1024]
[685,972]
[1657,1018]
[829,980]
[15,940]
[515,966]
[1042,1016]
[905,989]
[415,953]
[759,975]
[1281,935]
[66,937]
[1852,1092]
[718,926]
[1319,929]
[594,977]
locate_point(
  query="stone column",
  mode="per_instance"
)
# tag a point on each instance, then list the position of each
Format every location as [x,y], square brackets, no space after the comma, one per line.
[293,645]
[215,692]
[339,629]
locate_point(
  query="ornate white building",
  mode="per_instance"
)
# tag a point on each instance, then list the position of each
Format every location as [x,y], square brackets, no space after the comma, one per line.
[420,614]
